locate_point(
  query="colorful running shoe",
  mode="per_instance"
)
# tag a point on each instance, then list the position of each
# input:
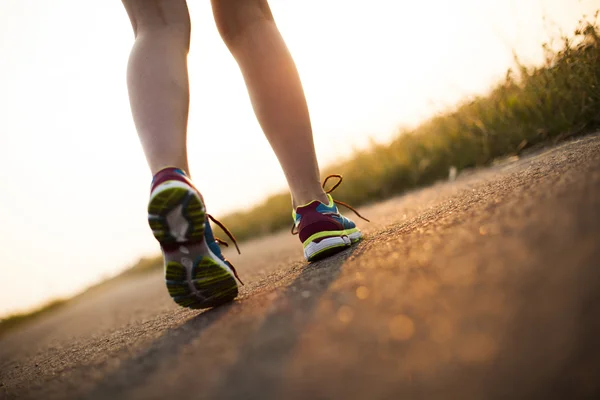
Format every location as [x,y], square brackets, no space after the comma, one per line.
[196,273]
[322,229]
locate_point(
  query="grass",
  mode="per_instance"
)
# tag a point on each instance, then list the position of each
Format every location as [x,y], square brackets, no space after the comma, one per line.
[532,105]
[142,266]
[12,321]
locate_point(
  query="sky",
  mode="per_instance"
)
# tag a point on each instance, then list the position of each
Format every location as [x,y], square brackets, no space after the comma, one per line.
[74,182]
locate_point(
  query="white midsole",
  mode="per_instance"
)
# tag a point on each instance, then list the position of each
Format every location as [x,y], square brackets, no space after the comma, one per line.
[168,185]
[315,247]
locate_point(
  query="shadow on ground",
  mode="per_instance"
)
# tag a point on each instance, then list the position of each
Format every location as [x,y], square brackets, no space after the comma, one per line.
[276,337]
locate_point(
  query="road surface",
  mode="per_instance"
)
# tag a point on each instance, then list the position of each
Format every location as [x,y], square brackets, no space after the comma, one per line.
[487,287]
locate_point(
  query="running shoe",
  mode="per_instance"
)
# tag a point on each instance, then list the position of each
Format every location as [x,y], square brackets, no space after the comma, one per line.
[322,229]
[196,272]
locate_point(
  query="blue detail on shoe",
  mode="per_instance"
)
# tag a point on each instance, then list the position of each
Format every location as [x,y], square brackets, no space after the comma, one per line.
[331,210]
[323,208]
[212,243]
[171,169]
[346,223]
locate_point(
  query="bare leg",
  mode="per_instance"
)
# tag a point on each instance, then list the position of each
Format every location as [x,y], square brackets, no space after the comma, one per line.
[157,79]
[249,31]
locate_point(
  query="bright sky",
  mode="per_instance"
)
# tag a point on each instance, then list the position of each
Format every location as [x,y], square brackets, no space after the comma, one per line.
[74,181]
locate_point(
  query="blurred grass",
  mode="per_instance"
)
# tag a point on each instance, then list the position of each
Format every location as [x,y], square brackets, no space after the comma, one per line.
[532,105]
[144,265]
[15,320]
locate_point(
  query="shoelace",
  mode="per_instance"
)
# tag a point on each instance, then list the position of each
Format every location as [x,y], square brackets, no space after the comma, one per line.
[224,243]
[341,203]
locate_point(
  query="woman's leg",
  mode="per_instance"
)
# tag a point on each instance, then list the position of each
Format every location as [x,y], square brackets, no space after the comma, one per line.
[157,79]
[249,31]
[196,272]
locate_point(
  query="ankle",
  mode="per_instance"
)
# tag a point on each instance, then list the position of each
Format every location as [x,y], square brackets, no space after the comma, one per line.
[300,199]
[156,168]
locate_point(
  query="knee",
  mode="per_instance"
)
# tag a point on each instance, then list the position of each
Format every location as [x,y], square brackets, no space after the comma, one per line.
[160,17]
[233,17]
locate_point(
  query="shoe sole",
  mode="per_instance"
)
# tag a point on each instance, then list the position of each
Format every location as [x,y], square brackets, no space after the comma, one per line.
[195,277]
[327,247]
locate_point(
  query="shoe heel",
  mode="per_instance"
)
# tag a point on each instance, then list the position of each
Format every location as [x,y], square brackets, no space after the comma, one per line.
[176,214]
[208,284]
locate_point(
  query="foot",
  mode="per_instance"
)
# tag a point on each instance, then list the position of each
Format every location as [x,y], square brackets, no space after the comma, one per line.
[323,231]
[196,273]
